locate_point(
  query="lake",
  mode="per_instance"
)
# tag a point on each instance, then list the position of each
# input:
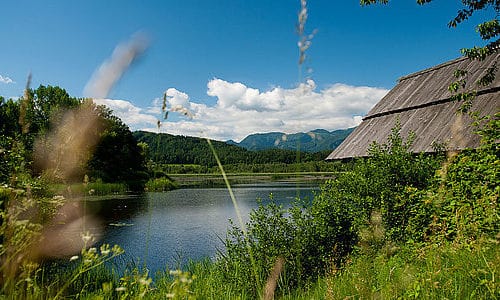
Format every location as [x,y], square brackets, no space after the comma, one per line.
[170,228]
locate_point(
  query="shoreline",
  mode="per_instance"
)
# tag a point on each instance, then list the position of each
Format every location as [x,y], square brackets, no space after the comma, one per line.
[216,180]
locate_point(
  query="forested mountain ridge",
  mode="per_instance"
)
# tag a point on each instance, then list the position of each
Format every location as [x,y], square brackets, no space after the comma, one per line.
[312,141]
[165,148]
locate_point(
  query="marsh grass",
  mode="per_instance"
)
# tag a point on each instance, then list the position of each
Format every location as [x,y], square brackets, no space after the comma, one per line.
[161,184]
[89,189]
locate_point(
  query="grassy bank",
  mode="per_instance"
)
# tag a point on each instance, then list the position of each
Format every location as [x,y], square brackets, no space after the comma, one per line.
[447,271]
[88,189]
[161,184]
[216,180]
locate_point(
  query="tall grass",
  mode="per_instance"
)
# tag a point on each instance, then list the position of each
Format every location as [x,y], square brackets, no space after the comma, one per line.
[161,184]
[89,189]
[435,272]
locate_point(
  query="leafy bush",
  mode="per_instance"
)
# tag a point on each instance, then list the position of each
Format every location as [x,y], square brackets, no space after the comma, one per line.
[160,184]
[465,198]
[12,159]
[317,237]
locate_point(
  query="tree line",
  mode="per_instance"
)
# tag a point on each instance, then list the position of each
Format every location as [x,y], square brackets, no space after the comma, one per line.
[34,131]
[48,134]
[165,148]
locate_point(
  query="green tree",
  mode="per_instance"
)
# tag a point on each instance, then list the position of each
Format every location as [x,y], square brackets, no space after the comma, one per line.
[117,157]
[45,107]
[9,117]
[36,116]
[13,154]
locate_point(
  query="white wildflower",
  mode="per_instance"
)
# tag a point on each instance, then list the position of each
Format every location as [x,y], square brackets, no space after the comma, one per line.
[58,198]
[87,237]
[175,272]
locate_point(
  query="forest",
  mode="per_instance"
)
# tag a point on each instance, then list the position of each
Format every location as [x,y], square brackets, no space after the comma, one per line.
[170,149]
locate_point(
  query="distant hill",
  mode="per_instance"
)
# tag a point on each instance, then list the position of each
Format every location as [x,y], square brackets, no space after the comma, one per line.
[173,149]
[312,141]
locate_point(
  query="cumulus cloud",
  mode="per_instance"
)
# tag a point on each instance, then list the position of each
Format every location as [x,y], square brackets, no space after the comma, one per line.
[130,114]
[6,80]
[242,110]
[244,98]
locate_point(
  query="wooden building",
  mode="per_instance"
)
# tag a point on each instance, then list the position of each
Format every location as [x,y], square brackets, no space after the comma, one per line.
[423,104]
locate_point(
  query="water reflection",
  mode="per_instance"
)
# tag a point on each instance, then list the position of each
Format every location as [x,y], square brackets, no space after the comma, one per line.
[117,207]
[167,229]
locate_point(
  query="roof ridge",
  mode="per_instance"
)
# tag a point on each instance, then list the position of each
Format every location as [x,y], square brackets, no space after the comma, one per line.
[431,69]
[442,65]
[489,90]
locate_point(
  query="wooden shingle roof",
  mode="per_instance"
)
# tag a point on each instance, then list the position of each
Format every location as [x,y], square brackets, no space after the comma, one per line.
[422,103]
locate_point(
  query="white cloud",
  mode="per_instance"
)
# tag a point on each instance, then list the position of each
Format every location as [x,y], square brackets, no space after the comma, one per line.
[241,110]
[130,114]
[177,98]
[6,80]
[244,98]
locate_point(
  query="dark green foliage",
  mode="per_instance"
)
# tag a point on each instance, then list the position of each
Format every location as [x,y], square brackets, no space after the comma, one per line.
[117,157]
[317,237]
[171,149]
[465,199]
[9,117]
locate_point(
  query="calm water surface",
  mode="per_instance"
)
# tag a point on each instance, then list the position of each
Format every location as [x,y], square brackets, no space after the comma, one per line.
[168,229]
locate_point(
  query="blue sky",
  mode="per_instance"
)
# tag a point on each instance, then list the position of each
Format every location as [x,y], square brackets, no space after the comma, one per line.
[232,63]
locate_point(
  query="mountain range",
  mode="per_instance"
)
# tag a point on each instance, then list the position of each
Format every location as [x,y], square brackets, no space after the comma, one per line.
[313,141]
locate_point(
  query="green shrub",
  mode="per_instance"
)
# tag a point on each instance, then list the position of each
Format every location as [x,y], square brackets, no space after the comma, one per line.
[160,184]
[465,197]
[13,160]
[318,237]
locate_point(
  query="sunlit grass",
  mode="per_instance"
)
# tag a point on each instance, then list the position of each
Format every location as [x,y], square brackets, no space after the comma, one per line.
[162,184]
[434,272]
